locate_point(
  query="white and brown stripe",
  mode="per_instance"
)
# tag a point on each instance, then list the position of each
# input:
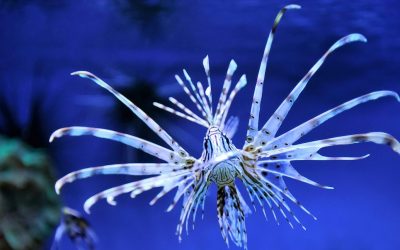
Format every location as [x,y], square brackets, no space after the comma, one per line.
[255,106]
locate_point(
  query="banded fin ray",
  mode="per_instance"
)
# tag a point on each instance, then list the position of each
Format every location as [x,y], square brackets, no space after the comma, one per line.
[206,65]
[270,190]
[231,126]
[118,169]
[135,188]
[186,110]
[296,133]
[179,193]
[193,99]
[203,97]
[306,151]
[182,183]
[196,95]
[133,141]
[137,111]
[253,178]
[270,128]
[279,201]
[284,168]
[254,189]
[225,109]
[258,90]
[194,197]
[225,89]
[180,114]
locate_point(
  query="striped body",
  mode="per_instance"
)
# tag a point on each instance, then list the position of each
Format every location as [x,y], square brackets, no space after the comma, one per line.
[224,173]
[262,164]
[216,144]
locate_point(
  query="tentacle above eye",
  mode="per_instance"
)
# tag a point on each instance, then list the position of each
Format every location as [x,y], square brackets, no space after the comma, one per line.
[270,128]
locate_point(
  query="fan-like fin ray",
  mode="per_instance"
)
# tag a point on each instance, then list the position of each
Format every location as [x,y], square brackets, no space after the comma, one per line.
[117,169]
[284,168]
[179,193]
[276,195]
[146,146]
[196,94]
[192,98]
[186,110]
[268,185]
[270,128]
[180,114]
[136,110]
[196,203]
[308,150]
[255,106]
[195,196]
[253,188]
[267,192]
[231,126]
[135,188]
[225,109]
[203,97]
[206,65]
[296,133]
[225,89]
[168,188]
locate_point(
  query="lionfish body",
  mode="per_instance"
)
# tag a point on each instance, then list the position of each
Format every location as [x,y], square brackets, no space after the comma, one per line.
[260,165]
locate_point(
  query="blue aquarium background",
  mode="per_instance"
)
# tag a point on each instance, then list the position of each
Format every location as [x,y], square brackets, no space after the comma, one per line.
[138,46]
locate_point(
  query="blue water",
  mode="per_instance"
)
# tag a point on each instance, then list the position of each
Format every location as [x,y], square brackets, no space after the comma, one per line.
[41,43]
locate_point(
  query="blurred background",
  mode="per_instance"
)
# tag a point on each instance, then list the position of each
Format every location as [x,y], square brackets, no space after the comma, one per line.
[137,47]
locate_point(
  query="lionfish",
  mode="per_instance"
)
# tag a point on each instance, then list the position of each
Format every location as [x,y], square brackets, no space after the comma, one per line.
[260,164]
[77,228]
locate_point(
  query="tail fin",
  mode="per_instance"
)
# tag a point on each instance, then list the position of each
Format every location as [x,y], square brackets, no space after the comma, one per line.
[231,217]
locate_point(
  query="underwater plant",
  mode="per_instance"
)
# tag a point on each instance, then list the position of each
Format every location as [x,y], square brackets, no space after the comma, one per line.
[260,164]
[29,207]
